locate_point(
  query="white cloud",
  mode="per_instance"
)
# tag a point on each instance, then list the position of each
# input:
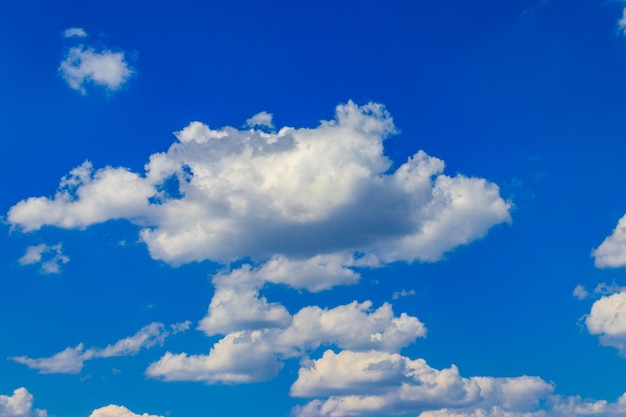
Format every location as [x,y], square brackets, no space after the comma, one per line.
[378,383]
[20,404]
[52,265]
[287,197]
[263,119]
[236,305]
[404,293]
[71,359]
[68,361]
[621,24]
[117,411]
[580,292]
[375,383]
[253,355]
[86,198]
[612,252]
[607,289]
[83,66]
[556,406]
[75,33]
[607,319]
[240,357]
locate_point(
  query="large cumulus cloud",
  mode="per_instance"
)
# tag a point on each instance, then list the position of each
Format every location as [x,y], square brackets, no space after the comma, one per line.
[228,194]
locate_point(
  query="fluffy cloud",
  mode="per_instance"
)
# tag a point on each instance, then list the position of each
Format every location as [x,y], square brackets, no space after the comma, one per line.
[607,319]
[117,411]
[253,355]
[240,357]
[375,383]
[75,33]
[83,66]
[71,359]
[260,119]
[20,404]
[293,194]
[379,383]
[52,264]
[612,252]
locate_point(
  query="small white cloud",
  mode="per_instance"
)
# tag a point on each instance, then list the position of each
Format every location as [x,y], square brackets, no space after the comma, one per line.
[20,404]
[263,119]
[75,33]
[403,293]
[612,252]
[84,66]
[117,411]
[580,292]
[607,320]
[180,327]
[50,257]
[33,254]
[71,359]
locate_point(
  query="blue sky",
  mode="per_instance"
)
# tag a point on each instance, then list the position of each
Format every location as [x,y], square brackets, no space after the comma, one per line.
[312,209]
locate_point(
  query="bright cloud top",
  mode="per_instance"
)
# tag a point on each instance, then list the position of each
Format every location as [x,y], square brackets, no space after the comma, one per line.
[117,411]
[50,257]
[71,359]
[20,404]
[299,193]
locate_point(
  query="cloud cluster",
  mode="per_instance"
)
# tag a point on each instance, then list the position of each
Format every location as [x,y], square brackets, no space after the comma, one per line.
[71,359]
[252,351]
[260,334]
[307,208]
[375,383]
[229,194]
[83,66]
[379,383]
[20,404]
[50,257]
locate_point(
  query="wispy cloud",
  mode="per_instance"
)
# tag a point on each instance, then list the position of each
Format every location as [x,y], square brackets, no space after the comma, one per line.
[50,257]
[71,359]
[403,293]
[75,33]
